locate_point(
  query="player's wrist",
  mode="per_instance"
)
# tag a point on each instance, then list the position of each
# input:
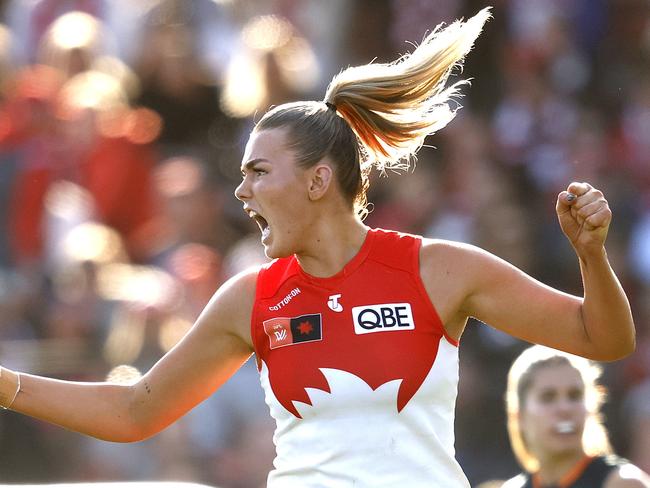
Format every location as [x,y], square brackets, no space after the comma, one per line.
[592,255]
[9,387]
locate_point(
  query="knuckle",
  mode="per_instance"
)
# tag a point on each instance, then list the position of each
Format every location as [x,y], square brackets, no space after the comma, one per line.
[573,184]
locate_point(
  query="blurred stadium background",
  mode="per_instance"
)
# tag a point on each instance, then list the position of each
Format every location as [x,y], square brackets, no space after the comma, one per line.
[122,125]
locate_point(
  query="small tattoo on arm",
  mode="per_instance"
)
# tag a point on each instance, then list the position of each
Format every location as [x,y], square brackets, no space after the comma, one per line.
[147,387]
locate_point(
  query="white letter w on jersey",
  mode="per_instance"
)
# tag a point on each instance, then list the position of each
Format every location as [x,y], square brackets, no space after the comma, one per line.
[333,303]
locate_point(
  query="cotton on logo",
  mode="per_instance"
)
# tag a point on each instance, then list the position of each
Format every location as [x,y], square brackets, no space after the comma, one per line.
[383,317]
[285,301]
[333,303]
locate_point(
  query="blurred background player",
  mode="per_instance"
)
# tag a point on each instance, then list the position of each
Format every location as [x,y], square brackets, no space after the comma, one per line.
[554,404]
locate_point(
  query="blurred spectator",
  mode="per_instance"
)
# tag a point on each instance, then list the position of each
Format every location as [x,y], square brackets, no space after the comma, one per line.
[30,19]
[5,56]
[192,207]
[176,84]
[91,137]
[274,64]
[8,159]
[639,420]
[639,250]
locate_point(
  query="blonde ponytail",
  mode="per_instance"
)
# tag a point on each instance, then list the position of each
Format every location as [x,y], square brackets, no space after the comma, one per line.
[393,107]
[378,114]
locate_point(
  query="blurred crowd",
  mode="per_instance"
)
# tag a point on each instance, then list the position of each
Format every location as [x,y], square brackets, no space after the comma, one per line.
[122,125]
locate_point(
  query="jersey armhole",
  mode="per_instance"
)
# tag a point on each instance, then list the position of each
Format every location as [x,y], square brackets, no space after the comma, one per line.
[423,291]
[258,293]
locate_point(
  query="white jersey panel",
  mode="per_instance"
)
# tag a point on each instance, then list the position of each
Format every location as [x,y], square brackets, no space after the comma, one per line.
[355,437]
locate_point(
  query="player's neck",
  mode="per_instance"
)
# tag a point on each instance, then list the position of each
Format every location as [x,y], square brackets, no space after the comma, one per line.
[557,469]
[332,245]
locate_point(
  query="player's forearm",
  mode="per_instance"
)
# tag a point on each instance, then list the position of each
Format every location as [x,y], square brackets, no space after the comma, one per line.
[606,311]
[99,410]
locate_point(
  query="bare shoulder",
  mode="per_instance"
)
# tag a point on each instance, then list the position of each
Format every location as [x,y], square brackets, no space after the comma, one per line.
[478,270]
[445,246]
[239,289]
[449,272]
[457,252]
[230,308]
[627,476]
[449,260]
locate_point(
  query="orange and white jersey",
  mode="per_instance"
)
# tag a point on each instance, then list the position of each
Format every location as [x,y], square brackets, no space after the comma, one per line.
[357,372]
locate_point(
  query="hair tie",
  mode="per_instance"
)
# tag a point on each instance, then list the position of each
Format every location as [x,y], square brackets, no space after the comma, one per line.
[331,106]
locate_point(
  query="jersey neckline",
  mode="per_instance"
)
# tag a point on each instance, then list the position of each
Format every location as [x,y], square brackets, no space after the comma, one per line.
[568,478]
[349,268]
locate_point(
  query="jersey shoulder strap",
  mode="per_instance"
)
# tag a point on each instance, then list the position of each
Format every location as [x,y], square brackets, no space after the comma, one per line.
[272,275]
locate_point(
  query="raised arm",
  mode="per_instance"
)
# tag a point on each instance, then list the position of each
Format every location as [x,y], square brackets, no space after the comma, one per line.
[478,284]
[216,346]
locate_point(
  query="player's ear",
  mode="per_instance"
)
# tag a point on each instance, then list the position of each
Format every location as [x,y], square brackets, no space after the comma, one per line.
[320,180]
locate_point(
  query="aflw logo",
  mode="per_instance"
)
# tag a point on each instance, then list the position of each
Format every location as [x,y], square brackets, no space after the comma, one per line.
[383,317]
[287,331]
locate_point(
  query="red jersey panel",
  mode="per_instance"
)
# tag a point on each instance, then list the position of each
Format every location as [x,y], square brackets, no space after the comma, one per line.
[362,320]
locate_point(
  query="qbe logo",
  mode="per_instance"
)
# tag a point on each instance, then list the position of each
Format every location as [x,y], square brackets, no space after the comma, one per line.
[383,317]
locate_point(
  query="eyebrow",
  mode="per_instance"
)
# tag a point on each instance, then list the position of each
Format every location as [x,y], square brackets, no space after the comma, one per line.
[248,165]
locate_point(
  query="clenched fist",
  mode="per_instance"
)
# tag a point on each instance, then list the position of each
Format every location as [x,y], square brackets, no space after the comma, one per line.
[584,216]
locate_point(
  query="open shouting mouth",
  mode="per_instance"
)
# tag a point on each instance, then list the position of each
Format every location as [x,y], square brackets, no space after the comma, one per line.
[264,226]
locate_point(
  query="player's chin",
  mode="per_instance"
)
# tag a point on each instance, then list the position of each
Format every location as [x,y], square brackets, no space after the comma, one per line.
[274,251]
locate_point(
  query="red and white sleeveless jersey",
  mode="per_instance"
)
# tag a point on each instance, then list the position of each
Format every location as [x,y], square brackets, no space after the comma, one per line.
[357,372]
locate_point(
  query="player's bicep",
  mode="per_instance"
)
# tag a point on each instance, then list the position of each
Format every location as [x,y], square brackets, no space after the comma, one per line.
[508,299]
